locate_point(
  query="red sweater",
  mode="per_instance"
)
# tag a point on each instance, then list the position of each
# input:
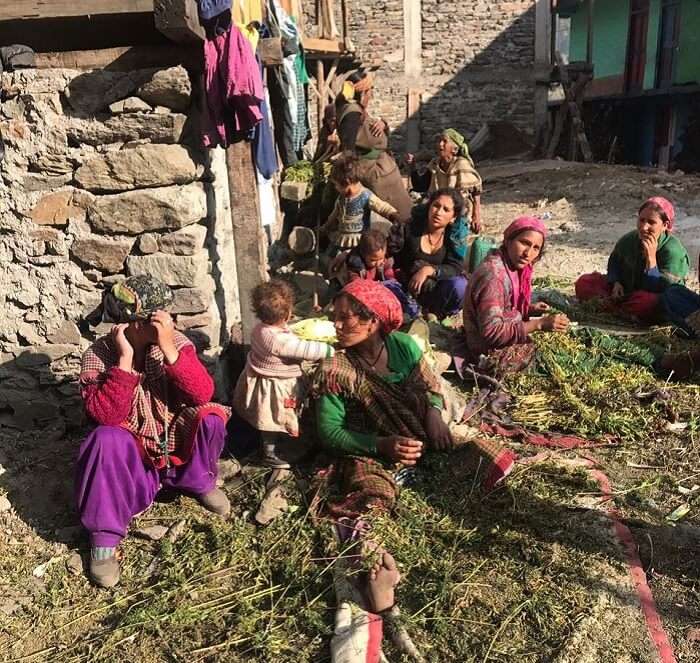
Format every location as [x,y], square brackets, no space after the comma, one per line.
[109,402]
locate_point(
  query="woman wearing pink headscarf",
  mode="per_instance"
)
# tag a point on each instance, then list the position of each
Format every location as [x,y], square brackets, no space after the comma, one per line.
[497,306]
[642,265]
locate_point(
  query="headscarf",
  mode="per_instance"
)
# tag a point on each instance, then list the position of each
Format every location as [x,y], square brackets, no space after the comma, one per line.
[521,280]
[461,143]
[379,300]
[136,298]
[667,208]
[350,87]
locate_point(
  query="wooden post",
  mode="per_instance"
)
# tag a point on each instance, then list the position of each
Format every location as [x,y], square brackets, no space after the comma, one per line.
[248,236]
[589,40]
[321,101]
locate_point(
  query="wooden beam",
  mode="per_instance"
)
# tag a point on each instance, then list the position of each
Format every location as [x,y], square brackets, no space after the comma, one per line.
[19,9]
[248,235]
[121,59]
[313,46]
[589,38]
[413,101]
[320,102]
[412,39]
[178,20]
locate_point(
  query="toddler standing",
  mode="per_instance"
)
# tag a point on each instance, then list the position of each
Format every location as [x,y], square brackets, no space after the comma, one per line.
[269,392]
[352,213]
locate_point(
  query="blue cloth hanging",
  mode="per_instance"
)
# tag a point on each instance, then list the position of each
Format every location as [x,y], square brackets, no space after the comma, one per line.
[210,8]
[263,140]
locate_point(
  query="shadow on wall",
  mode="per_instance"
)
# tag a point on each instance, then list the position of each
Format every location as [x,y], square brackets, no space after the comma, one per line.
[496,84]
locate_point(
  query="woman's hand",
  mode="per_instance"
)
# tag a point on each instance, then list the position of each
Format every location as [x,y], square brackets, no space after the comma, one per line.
[378,128]
[475,224]
[618,291]
[554,323]
[415,285]
[649,246]
[164,327]
[437,430]
[539,308]
[400,449]
[125,350]
[337,263]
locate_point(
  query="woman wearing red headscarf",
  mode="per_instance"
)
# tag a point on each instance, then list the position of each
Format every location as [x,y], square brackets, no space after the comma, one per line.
[381,407]
[642,265]
[497,305]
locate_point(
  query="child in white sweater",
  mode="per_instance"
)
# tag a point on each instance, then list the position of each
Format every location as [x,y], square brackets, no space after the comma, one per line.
[269,392]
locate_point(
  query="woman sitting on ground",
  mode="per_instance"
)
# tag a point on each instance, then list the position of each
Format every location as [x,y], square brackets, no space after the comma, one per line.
[642,265]
[380,406]
[497,305]
[427,255]
[452,168]
[148,393]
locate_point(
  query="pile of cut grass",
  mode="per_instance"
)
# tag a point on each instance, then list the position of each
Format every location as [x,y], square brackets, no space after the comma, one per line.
[597,385]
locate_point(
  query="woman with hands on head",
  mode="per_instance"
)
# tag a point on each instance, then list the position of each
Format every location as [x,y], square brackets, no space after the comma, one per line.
[148,394]
[643,264]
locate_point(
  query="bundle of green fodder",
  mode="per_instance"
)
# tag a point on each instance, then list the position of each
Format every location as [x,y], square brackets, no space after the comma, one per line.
[314,174]
[588,382]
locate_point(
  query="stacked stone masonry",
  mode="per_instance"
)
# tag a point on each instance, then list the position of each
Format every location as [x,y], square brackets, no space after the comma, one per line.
[100,180]
[476,60]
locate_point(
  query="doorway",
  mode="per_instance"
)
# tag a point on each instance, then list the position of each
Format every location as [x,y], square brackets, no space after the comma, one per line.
[637,46]
[669,42]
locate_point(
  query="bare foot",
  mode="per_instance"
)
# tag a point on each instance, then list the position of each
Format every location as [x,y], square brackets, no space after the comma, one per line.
[381,582]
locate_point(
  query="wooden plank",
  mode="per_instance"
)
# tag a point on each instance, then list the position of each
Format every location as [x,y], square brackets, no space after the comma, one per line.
[121,59]
[248,235]
[312,45]
[178,20]
[320,102]
[412,39]
[413,101]
[14,9]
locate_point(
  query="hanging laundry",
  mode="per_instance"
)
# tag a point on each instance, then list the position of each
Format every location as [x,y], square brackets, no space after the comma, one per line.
[211,8]
[263,140]
[234,89]
[284,90]
[302,127]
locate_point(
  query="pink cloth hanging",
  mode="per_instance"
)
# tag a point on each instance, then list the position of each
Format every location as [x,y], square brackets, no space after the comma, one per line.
[234,88]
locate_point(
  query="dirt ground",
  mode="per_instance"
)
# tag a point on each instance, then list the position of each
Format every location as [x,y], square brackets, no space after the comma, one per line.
[531,573]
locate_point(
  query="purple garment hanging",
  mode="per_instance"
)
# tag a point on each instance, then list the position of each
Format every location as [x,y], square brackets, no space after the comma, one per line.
[234,89]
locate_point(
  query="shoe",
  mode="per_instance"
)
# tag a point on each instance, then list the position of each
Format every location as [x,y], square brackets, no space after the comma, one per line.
[216,502]
[104,572]
[269,457]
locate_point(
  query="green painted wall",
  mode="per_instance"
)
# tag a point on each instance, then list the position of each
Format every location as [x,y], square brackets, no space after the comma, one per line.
[610,28]
[652,44]
[688,67]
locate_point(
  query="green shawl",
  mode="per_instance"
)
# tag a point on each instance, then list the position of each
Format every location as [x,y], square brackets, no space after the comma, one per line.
[628,257]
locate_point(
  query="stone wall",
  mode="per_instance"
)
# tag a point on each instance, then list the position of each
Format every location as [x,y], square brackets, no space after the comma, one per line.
[477,62]
[100,180]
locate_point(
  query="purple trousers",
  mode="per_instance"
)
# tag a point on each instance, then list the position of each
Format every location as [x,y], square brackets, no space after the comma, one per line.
[113,484]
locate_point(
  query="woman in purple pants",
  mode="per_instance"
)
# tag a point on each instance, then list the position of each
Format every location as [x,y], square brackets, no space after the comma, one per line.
[149,394]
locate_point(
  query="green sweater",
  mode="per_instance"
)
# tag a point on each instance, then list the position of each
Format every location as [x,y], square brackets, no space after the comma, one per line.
[342,425]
